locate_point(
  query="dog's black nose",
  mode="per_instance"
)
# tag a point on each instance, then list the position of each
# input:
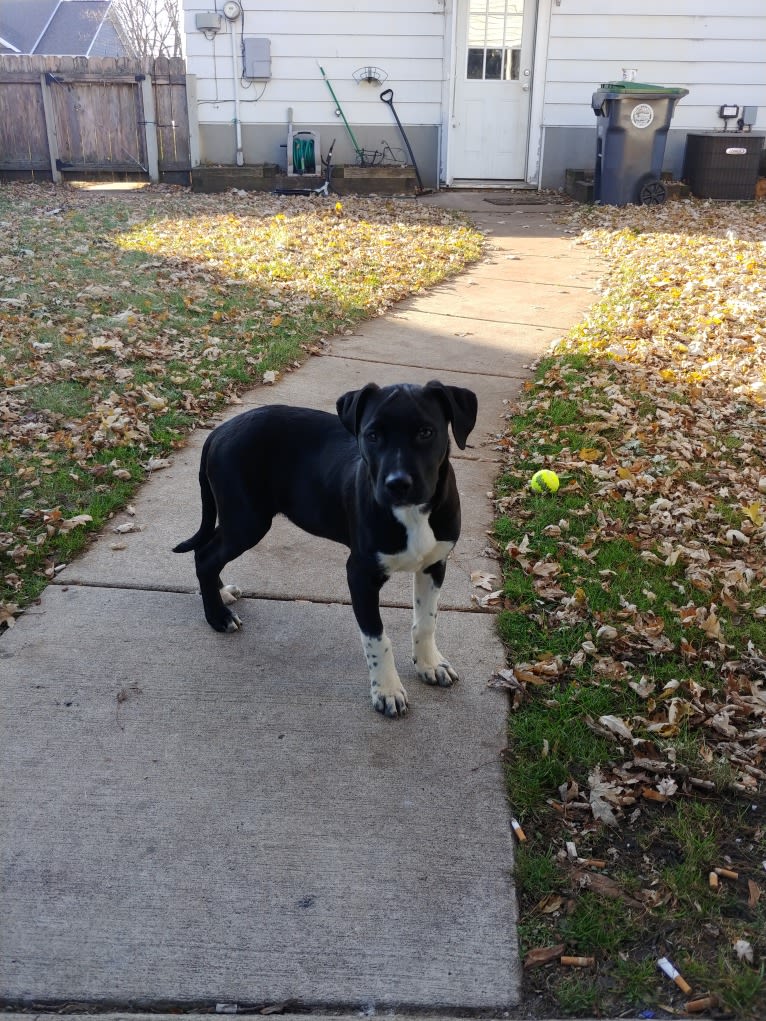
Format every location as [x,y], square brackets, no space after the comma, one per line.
[398,485]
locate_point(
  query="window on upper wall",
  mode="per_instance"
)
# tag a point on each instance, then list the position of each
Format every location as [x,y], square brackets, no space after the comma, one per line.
[494,39]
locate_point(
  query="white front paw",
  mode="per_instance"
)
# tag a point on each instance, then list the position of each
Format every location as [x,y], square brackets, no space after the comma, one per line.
[440,672]
[430,666]
[389,699]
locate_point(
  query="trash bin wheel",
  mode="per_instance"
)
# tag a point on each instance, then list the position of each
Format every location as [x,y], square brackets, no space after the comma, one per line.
[652,193]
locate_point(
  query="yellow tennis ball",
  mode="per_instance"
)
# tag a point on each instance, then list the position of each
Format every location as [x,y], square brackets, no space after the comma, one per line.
[545,481]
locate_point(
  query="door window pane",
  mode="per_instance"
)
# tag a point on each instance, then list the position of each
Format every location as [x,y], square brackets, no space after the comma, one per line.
[494,39]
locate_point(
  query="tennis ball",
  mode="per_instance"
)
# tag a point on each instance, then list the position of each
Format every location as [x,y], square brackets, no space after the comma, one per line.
[545,481]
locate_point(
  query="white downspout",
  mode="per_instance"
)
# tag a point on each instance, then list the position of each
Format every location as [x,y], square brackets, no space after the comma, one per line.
[235,75]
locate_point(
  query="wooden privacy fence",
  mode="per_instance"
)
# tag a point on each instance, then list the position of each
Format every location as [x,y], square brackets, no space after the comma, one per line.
[76,116]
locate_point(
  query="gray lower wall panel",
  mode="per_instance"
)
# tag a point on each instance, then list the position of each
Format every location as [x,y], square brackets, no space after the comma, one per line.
[565,147]
[266,143]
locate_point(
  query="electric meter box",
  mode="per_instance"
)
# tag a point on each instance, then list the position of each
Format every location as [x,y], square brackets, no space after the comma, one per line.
[257,57]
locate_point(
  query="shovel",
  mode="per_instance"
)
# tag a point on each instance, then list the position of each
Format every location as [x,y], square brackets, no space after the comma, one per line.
[387,96]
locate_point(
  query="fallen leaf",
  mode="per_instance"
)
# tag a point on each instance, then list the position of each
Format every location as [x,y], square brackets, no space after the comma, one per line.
[615,725]
[543,955]
[600,790]
[482,580]
[74,522]
[590,454]
[754,894]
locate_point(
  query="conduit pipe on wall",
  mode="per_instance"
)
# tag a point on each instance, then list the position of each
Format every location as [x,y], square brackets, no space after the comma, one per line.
[235,77]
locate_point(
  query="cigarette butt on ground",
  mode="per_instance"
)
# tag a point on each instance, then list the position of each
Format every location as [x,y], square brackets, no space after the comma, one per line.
[578,962]
[713,880]
[594,863]
[703,1003]
[727,873]
[672,973]
[683,985]
[520,834]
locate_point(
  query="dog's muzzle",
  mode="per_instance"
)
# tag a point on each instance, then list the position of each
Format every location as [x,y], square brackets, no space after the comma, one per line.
[398,487]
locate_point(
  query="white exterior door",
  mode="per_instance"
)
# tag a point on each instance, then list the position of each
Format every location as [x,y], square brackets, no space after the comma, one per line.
[494,49]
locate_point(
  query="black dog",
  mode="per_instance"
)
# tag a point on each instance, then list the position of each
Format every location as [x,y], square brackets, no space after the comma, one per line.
[377,479]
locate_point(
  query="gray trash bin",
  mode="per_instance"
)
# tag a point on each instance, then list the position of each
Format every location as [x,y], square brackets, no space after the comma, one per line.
[631,131]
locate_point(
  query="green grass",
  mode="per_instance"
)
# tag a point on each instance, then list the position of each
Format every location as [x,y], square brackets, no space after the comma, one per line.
[132,317]
[662,853]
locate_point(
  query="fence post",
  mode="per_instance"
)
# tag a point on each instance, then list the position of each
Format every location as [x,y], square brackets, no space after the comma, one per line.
[50,128]
[150,127]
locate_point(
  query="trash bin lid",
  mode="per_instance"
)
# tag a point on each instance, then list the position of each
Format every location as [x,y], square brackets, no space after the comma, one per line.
[638,88]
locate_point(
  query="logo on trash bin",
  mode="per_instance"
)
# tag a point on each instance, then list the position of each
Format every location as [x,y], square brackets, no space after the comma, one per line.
[642,115]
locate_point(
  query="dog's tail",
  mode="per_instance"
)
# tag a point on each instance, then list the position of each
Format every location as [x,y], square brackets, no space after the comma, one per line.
[209,513]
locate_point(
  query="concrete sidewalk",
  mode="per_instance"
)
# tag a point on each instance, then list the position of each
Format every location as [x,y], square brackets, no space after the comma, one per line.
[192,818]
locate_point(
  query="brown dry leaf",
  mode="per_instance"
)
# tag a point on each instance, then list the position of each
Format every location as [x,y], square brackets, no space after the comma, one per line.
[74,522]
[551,904]
[546,568]
[604,885]
[754,894]
[543,955]
[542,672]
[8,613]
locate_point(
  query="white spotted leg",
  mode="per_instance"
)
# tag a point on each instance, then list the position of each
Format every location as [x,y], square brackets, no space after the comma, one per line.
[386,689]
[430,665]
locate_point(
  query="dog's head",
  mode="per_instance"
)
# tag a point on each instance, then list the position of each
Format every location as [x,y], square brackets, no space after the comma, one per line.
[403,435]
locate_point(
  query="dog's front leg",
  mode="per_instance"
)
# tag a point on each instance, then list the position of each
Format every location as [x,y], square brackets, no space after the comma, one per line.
[365,581]
[430,665]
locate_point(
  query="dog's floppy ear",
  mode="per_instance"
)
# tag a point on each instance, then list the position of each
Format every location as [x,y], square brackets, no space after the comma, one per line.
[461,407]
[351,405]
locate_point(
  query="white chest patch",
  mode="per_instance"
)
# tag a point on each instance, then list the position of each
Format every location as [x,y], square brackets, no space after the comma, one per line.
[422,549]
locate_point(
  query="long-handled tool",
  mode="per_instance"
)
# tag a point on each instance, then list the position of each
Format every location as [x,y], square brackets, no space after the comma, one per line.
[358,150]
[387,95]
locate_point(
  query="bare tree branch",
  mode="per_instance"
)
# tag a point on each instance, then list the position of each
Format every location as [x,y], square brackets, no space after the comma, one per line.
[152,27]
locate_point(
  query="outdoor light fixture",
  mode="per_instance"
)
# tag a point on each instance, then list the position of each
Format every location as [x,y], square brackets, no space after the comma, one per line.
[727,113]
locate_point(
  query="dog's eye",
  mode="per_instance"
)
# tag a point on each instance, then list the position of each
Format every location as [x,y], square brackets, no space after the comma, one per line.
[425,432]
[372,436]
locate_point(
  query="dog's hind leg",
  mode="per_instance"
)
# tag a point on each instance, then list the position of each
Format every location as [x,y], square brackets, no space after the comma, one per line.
[430,665]
[226,545]
[386,689]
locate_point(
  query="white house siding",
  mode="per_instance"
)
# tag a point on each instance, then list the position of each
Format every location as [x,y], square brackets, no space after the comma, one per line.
[713,48]
[404,38]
